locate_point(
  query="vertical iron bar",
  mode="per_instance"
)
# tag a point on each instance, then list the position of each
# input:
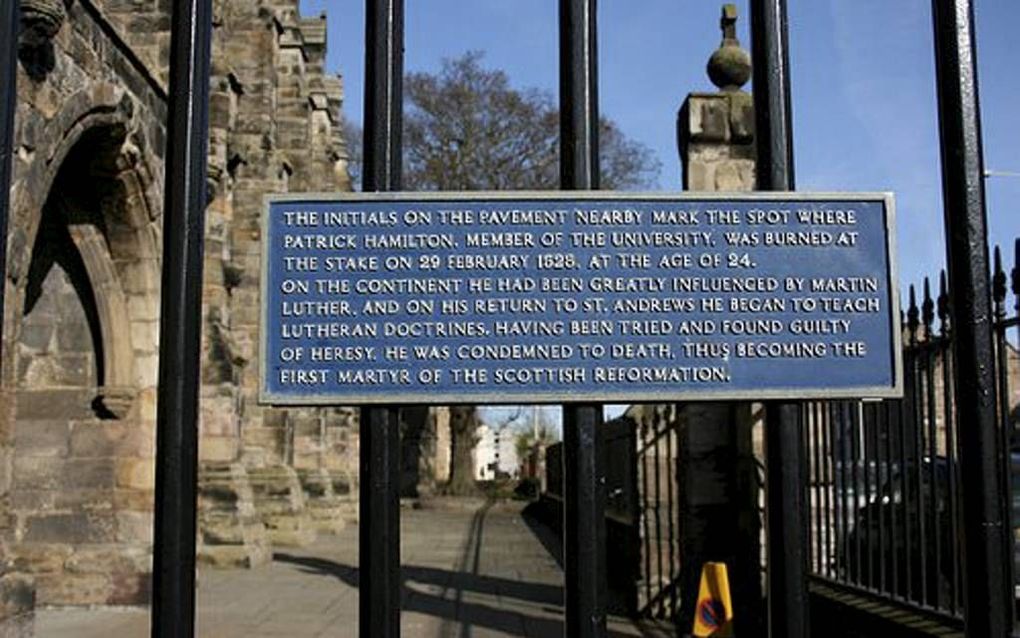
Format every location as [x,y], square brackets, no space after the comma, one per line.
[384,91]
[999,334]
[831,520]
[173,587]
[837,491]
[867,432]
[827,501]
[810,487]
[911,506]
[670,516]
[945,349]
[787,520]
[846,457]
[379,525]
[379,529]
[815,500]
[874,442]
[584,526]
[829,497]
[882,443]
[904,485]
[579,100]
[850,409]
[657,491]
[8,105]
[895,450]
[584,464]
[933,493]
[1015,284]
[918,438]
[988,541]
[646,540]
[787,561]
[844,487]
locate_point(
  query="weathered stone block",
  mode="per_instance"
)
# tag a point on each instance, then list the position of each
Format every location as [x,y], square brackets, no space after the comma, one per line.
[41,438]
[96,438]
[74,337]
[135,500]
[279,499]
[231,533]
[139,474]
[710,119]
[81,499]
[305,423]
[37,336]
[219,449]
[40,473]
[144,336]
[24,500]
[72,589]
[145,403]
[88,473]
[699,176]
[741,118]
[130,588]
[55,404]
[109,559]
[41,558]
[74,528]
[134,527]
[144,307]
[729,178]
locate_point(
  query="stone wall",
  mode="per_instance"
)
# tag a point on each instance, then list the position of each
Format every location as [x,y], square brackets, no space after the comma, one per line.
[81,325]
[81,319]
[274,128]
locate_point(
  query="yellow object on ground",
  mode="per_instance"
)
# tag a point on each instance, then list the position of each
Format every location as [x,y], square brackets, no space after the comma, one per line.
[714,614]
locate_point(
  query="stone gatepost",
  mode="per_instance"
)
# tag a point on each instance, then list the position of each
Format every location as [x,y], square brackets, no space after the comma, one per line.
[718,488]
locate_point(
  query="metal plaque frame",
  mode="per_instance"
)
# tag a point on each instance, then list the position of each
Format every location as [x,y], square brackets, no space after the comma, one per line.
[417,398]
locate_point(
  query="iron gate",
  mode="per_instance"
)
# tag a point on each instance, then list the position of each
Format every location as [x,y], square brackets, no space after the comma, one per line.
[985,580]
[884,480]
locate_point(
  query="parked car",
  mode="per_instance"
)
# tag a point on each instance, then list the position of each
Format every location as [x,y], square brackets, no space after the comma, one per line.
[892,546]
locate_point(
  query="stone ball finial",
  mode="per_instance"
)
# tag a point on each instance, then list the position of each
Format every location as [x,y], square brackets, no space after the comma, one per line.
[729,68]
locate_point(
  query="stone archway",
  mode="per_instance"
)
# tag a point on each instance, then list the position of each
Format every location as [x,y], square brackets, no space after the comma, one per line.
[85,377]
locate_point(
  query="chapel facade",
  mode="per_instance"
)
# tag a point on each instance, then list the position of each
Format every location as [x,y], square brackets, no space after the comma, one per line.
[77,427]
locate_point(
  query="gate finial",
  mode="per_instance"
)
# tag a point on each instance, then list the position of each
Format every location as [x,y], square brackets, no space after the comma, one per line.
[729,68]
[728,23]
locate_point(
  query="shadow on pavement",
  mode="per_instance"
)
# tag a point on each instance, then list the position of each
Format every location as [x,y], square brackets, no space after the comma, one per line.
[452,584]
[534,516]
[466,613]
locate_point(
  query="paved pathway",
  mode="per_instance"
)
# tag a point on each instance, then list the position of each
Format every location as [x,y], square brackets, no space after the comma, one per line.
[468,572]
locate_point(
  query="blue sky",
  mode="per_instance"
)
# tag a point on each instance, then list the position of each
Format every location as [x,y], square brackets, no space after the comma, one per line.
[863,76]
[863,80]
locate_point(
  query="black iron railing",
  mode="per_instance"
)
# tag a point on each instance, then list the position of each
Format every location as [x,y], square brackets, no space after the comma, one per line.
[884,477]
[657,503]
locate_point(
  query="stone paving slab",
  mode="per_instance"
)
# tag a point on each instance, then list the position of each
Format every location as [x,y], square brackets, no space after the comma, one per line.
[468,572]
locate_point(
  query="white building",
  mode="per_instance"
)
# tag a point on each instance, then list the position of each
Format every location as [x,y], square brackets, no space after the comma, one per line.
[495,453]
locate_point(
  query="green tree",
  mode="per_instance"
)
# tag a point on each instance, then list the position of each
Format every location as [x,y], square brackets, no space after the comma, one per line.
[540,432]
[467,129]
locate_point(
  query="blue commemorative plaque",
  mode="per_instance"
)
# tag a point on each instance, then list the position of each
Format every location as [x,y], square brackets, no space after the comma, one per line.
[558,297]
